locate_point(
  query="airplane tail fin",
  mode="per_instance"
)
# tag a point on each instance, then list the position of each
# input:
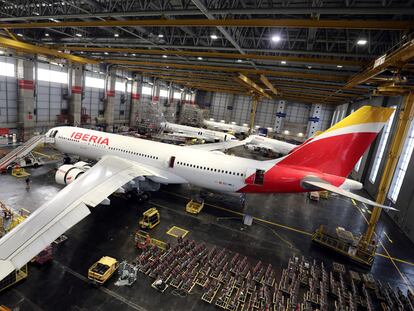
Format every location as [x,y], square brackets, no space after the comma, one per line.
[338,149]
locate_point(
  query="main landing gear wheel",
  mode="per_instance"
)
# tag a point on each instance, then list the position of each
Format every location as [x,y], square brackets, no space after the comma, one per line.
[139,196]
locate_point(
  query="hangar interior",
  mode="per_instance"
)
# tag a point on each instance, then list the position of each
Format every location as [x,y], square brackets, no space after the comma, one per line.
[285,70]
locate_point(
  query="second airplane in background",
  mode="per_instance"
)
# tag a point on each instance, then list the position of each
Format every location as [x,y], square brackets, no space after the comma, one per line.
[196,132]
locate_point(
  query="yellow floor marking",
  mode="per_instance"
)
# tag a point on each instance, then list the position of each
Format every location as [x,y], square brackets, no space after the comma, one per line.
[353,202]
[242,214]
[403,277]
[387,255]
[42,154]
[174,230]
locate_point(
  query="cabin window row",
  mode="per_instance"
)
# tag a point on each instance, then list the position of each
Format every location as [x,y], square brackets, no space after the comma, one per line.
[210,169]
[135,153]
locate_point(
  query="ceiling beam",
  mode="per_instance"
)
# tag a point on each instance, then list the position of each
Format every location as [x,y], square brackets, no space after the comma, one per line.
[317,92]
[293,59]
[307,85]
[268,84]
[209,82]
[303,99]
[218,77]
[251,85]
[35,49]
[400,10]
[292,74]
[397,58]
[286,23]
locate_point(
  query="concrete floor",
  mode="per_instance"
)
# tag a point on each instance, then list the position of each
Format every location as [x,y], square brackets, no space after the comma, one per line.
[282,228]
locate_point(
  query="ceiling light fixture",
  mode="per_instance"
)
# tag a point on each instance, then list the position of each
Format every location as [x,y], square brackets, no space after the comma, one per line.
[239,61]
[362,42]
[106,53]
[214,37]
[46,34]
[339,66]
[276,38]
[116,35]
[79,35]
[164,56]
[283,62]
[199,58]
[20,34]
[160,35]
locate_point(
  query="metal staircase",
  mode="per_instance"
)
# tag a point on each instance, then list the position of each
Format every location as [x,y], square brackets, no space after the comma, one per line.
[22,151]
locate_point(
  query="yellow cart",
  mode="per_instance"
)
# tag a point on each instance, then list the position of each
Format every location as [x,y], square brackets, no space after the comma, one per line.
[150,218]
[194,207]
[102,270]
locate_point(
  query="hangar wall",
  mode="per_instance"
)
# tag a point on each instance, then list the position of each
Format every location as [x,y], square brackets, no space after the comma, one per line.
[296,115]
[405,200]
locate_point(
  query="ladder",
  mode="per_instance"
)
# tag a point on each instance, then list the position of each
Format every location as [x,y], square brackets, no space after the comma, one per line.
[21,151]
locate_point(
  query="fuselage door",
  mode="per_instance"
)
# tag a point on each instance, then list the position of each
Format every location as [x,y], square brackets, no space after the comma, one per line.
[254,176]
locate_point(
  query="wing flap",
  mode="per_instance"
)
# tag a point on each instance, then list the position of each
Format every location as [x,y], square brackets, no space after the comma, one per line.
[345,193]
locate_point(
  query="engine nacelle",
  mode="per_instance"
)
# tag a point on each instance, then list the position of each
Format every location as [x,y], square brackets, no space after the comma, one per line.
[68,173]
[82,165]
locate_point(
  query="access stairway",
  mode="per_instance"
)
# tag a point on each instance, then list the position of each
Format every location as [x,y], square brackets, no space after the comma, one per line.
[23,150]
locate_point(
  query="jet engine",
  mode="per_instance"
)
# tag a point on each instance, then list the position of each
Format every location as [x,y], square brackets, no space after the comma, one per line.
[69,172]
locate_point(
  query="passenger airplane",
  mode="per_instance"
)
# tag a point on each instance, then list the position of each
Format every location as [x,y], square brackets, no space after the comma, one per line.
[196,132]
[261,143]
[236,129]
[124,162]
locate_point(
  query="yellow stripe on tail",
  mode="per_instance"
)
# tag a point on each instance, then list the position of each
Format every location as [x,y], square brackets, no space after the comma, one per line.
[365,114]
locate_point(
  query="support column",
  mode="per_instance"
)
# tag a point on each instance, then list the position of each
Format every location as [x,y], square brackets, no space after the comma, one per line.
[314,124]
[156,93]
[255,100]
[229,109]
[135,101]
[25,99]
[280,116]
[75,103]
[404,121]
[110,101]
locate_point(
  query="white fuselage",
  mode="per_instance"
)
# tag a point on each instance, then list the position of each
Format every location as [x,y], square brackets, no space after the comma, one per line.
[236,129]
[274,145]
[196,132]
[211,170]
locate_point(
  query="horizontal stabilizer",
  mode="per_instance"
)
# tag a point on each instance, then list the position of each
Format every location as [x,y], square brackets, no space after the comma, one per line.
[345,193]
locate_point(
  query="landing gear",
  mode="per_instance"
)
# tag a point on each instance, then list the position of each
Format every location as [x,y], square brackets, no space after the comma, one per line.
[243,200]
[67,160]
[138,195]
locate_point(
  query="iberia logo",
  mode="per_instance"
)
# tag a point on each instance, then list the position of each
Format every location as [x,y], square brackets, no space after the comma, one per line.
[90,138]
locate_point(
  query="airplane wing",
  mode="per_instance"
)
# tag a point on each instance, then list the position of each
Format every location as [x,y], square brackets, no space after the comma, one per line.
[218,146]
[332,188]
[66,209]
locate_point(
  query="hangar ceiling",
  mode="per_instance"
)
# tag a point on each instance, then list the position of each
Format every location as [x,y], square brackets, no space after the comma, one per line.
[310,51]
